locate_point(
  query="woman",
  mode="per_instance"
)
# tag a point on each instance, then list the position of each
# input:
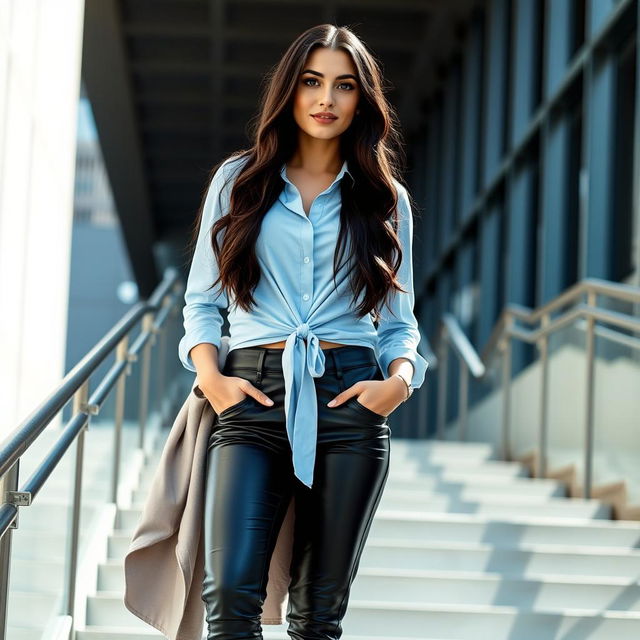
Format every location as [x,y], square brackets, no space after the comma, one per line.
[303,400]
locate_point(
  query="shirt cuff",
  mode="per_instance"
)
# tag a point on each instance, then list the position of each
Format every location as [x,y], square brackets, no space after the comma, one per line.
[207,334]
[420,365]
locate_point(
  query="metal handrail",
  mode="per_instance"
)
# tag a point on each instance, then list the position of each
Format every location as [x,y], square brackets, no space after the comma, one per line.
[450,334]
[154,314]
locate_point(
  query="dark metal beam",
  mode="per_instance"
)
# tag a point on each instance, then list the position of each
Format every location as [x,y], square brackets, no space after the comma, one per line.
[105,70]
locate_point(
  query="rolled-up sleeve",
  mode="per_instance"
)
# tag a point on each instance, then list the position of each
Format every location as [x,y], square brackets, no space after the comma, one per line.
[202,310]
[398,334]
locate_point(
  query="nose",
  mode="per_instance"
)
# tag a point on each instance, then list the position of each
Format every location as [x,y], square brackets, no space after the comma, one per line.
[327,100]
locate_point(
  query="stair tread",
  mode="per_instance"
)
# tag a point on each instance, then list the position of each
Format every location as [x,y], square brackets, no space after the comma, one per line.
[417,477]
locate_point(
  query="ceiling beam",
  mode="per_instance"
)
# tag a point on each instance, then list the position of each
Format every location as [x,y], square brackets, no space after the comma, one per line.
[105,72]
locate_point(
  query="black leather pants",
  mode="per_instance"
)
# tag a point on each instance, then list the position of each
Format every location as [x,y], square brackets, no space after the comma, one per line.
[250,482]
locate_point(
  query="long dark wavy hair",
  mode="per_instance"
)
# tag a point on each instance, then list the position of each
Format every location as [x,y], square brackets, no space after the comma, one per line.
[372,146]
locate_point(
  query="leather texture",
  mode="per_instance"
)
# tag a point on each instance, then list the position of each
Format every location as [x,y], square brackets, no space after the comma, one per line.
[250,482]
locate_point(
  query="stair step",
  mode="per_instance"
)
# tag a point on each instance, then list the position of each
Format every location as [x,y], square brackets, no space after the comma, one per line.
[53,515]
[464,622]
[494,505]
[545,594]
[487,504]
[124,633]
[601,536]
[465,475]
[517,486]
[118,633]
[419,448]
[425,463]
[379,619]
[24,633]
[516,560]
[408,467]
[471,493]
[44,574]
[478,527]
[524,560]
[437,455]
[405,471]
[462,545]
[106,608]
[542,593]
[463,527]
[30,609]
[32,545]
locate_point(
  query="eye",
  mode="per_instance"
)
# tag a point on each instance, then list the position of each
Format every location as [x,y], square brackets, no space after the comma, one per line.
[349,86]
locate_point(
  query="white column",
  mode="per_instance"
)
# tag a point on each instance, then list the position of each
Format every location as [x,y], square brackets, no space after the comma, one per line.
[40,60]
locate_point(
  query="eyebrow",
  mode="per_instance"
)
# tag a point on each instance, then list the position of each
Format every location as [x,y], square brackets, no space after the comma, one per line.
[317,73]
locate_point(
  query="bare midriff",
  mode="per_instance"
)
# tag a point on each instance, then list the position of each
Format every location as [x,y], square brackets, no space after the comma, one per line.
[280,345]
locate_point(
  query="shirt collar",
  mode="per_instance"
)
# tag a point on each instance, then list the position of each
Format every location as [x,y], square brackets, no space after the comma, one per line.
[344,169]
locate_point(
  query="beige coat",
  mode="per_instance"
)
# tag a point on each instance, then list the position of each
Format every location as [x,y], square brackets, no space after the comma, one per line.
[164,565]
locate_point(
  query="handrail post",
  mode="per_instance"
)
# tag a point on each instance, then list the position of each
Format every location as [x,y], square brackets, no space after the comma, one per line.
[9,482]
[589,398]
[121,390]
[143,407]
[443,351]
[463,401]
[80,400]
[162,365]
[506,389]
[543,346]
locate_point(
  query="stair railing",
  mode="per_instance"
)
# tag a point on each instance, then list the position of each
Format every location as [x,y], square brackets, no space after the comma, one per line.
[451,335]
[153,313]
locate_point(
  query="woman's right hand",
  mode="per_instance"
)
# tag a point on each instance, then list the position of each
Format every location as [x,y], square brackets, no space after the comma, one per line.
[223,391]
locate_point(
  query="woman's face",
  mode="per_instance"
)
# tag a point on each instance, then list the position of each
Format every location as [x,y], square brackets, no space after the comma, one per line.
[328,83]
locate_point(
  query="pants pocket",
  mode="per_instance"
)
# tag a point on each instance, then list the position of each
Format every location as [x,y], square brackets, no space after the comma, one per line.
[357,374]
[238,406]
[358,405]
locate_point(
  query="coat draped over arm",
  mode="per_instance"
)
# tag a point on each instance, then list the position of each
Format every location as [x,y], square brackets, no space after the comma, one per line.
[164,564]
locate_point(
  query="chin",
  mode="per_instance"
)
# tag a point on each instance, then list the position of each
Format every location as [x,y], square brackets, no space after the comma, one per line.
[326,136]
[321,134]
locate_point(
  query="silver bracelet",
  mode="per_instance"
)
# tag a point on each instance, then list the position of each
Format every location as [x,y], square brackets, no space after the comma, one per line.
[409,387]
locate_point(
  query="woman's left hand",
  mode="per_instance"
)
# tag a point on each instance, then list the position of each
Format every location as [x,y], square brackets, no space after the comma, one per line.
[380,396]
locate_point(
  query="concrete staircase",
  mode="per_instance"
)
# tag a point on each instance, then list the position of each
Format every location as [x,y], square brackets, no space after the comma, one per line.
[39,544]
[462,546]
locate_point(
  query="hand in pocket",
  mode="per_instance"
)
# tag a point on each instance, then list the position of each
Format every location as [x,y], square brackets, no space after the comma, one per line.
[223,392]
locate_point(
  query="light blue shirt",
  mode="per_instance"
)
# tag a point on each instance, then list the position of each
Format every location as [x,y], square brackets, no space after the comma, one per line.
[296,299]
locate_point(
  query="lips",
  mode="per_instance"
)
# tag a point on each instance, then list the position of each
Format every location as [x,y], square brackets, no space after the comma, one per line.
[324,116]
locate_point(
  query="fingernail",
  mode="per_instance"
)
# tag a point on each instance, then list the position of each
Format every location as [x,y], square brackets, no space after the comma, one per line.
[331,403]
[269,401]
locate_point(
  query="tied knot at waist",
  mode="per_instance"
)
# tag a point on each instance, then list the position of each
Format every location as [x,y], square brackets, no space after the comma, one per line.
[302,330]
[306,350]
[302,360]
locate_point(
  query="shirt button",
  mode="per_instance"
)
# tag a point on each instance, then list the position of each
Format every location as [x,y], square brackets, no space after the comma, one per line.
[306,258]
[305,296]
